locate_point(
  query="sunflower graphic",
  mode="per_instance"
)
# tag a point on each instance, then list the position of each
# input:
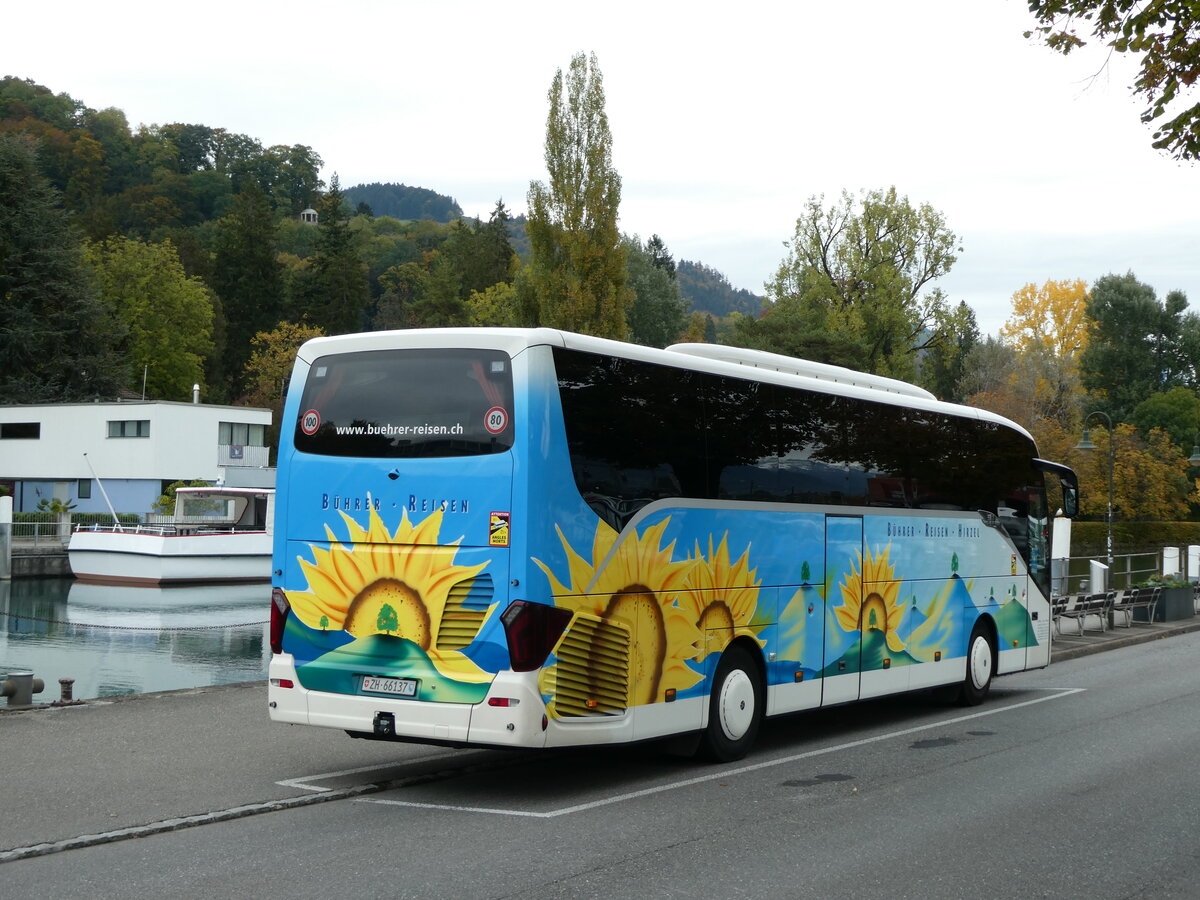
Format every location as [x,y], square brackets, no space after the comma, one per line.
[394,584]
[635,582]
[881,609]
[722,596]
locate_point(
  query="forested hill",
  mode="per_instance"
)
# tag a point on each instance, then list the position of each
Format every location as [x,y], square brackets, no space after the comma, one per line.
[707,290]
[403,202]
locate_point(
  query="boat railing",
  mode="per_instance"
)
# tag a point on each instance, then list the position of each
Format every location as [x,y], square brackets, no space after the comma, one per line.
[161,530]
[167,530]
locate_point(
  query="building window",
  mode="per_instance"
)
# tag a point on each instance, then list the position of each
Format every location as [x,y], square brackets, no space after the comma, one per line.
[131,428]
[84,489]
[241,434]
[20,430]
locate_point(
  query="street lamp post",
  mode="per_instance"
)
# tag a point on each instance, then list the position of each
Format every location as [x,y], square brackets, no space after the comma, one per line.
[1085,443]
[1194,459]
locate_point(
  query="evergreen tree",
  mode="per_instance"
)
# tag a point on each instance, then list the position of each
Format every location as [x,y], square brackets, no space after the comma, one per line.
[943,363]
[337,290]
[577,265]
[1137,345]
[247,277]
[56,340]
[658,315]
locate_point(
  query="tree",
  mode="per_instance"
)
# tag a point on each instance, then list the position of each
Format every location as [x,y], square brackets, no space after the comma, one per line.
[337,291]
[1163,34]
[1053,315]
[707,290]
[1032,387]
[166,316]
[850,289]
[56,340]
[494,307]
[402,286]
[1150,479]
[247,276]
[577,264]
[1137,345]
[479,253]
[944,363]
[658,314]
[272,355]
[1175,412]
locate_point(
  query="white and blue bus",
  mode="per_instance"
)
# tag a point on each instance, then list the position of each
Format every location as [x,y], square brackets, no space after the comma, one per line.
[531,538]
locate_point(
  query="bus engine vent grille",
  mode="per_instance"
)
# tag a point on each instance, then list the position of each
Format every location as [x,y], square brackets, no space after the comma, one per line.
[466,607]
[592,675]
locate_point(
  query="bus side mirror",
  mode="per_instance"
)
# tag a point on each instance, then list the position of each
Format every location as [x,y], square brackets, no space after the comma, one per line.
[1070,500]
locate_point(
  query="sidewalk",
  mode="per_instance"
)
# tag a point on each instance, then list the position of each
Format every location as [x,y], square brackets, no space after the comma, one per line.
[1070,645]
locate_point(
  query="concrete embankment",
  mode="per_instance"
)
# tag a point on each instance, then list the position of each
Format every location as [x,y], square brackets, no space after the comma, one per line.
[40,561]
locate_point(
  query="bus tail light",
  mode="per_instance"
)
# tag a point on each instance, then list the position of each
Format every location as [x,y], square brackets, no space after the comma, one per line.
[279,613]
[532,630]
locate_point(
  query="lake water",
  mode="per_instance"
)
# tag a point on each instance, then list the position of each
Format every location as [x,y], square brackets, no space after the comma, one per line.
[129,640]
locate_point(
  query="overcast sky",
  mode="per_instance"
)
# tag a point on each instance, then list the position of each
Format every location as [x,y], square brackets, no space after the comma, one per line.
[725,117]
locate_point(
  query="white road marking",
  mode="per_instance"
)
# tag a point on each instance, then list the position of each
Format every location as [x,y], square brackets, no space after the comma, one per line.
[724,773]
[304,783]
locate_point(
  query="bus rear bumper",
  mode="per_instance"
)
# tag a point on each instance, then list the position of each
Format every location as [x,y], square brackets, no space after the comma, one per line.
[511,715]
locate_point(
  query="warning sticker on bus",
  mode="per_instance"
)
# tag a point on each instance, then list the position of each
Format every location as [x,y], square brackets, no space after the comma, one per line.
[495,420]
[310,422]
[498,529]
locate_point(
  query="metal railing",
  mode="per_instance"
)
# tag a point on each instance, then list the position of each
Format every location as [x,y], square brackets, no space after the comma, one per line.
[40,534]
[1127,570]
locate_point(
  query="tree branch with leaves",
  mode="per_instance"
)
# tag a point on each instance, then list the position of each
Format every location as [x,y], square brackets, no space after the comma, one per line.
[1164,35]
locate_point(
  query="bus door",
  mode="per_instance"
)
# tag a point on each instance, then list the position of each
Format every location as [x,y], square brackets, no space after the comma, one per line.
[844,589]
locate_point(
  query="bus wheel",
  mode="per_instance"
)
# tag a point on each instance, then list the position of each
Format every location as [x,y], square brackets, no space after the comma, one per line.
[735,708]
[981,665]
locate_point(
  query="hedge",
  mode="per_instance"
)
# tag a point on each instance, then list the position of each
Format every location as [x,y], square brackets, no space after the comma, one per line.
[1090,538]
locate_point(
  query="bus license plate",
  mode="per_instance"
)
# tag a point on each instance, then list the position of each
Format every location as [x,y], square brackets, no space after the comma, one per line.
[401,687]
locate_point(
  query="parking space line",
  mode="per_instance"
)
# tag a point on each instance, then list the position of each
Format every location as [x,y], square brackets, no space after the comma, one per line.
[724,773]
[304,782]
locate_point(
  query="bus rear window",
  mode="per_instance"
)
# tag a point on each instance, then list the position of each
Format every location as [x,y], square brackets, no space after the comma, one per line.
[407,403]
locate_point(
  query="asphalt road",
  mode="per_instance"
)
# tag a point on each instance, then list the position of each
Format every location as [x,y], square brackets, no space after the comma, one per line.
[1079,780]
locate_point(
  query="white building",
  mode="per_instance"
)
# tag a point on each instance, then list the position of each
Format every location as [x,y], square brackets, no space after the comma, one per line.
[135,448]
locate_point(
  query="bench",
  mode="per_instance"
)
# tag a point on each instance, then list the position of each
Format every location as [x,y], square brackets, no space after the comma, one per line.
[1125,604]
[1068,606]
[1096,605]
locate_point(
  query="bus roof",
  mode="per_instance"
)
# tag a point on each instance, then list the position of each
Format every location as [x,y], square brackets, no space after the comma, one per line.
[754,365]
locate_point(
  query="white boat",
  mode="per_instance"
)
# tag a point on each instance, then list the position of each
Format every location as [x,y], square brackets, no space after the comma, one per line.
[218,534]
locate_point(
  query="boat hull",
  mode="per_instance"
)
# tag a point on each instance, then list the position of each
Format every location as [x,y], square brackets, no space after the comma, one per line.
[129,557]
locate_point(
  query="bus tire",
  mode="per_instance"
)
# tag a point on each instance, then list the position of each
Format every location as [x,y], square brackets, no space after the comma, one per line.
[735,707]
[981,666]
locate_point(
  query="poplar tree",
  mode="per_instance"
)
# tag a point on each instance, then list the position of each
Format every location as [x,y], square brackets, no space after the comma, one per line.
[577,261]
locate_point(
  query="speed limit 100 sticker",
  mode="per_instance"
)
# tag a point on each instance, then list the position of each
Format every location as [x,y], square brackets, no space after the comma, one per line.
[310,422]
[495,420]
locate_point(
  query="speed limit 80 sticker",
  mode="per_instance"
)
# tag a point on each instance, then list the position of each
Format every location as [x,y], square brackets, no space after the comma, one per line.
[495,420]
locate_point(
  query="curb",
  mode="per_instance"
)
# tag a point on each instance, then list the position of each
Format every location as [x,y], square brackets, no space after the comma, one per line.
[1102,645]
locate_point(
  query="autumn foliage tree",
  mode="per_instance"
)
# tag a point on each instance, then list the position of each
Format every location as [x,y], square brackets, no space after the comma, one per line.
[1052,316]
[1150,476]
[272,355]
[1163,35]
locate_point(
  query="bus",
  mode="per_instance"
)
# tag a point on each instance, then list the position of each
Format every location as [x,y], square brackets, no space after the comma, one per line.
[527,538]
